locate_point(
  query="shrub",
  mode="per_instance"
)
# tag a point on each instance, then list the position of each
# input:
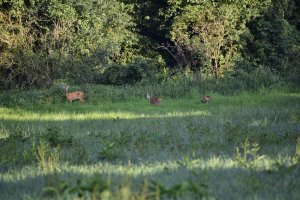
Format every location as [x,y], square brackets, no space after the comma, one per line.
[259,78]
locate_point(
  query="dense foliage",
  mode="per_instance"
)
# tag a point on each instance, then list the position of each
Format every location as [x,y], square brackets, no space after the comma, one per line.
[123,42]
[42,41]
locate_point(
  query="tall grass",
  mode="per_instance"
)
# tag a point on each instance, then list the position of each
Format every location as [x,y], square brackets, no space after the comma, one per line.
[181,85]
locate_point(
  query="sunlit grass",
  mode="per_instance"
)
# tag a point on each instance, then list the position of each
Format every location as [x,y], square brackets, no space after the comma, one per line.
[148,169]
[23,115]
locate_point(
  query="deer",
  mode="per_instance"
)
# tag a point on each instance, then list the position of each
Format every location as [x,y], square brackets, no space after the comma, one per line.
[78,95]
[152,99]
[205,99]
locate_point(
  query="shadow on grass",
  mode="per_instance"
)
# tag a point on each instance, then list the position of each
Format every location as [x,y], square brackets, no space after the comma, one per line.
[210,182]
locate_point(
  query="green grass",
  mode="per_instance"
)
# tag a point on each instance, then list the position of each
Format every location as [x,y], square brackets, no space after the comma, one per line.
[242,146]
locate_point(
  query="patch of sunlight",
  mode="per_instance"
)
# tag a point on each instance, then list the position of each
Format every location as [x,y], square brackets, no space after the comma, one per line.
[149,169]
[4,133]
[260,122]
[22,115]
[292,94]
[141,169]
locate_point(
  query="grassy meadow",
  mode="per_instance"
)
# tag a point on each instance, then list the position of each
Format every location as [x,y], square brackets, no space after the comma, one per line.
[242,146]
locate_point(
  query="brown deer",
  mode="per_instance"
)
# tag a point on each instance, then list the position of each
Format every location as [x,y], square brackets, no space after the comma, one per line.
[78,95]
[205,99]
[152,99]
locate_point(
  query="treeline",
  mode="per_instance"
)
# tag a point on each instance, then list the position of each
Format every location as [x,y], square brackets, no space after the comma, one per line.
[121,42]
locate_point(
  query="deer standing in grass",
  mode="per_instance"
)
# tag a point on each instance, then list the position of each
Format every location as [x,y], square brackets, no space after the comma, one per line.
[205,99]
[78,95]
[152,99]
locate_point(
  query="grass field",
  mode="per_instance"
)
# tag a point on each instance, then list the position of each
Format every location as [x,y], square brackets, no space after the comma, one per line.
[244,146]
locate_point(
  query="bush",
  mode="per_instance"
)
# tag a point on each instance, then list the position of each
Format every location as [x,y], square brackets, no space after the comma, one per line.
[140,70]
[121,75]
[259,78]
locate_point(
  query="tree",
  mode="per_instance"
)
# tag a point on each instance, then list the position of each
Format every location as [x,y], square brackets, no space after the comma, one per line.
[42,40]
[209,32]
[275,40]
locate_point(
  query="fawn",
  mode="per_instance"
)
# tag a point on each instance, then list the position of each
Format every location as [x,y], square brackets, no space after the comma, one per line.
[74,95]
[152,99]
[205,99]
